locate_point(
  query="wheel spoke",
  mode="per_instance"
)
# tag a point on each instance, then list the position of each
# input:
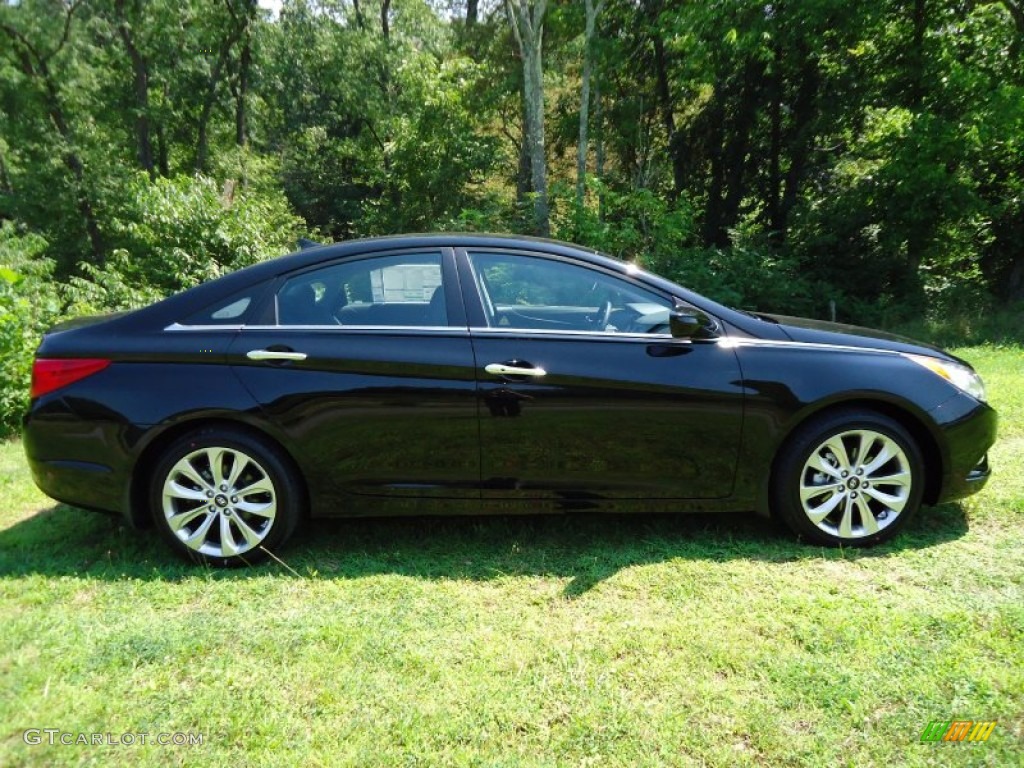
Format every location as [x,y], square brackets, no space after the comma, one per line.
[267,509]
[808,492]
[888,451]
[867,517]
[846,524]
[216,458]
[180,491]
[197,538]
[819,513]
[892,501]
[237,467]
[228,546]
[184,467]
[819,463]
[252,538]
[899,478]
[838,449]
[184,518]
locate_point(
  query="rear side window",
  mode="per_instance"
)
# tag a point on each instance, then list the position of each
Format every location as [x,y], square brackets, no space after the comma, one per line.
[398,290]
[236,309]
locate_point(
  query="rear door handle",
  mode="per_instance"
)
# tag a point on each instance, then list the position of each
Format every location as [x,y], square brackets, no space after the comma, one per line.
[269,354]
[500,369]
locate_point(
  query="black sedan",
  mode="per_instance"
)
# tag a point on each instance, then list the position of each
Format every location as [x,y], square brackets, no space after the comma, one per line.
[465,374]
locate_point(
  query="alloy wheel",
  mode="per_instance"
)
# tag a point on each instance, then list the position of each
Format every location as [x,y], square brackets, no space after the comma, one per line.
[855,483]
[219,501]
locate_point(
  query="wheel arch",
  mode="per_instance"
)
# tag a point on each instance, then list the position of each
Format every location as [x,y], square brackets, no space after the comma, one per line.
[137,510]
[931,451]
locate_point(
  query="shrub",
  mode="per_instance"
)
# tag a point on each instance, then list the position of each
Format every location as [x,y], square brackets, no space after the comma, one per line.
[29,303]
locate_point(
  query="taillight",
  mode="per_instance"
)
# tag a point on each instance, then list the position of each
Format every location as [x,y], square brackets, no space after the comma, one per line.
[49,374]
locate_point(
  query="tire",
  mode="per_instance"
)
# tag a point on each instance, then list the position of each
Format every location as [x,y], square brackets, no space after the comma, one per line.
[877,496]
[231,516]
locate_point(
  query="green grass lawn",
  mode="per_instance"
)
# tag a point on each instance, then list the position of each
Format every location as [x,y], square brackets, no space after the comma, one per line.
[619,641]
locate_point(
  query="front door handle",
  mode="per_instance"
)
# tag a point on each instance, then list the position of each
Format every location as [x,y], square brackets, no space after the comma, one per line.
[271,354]
[501,369]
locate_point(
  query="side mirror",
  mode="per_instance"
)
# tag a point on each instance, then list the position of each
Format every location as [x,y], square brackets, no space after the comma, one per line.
[688,323]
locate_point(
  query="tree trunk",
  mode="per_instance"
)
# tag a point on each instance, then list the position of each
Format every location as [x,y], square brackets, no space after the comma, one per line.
[800,143]
[140,73]
[591,11]
[523,173]
[472,11]
[5,178]
[216,75]
[774,203]
[528,29]
[244,68]
[385,25]
[599,145]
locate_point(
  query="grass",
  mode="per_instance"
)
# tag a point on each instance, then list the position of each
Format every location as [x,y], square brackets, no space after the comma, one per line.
[614,640]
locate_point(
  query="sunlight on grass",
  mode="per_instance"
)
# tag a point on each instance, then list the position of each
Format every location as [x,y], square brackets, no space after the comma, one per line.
[613,640]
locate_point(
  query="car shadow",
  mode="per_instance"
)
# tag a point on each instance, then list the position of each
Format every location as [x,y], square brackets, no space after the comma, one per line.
[586,549]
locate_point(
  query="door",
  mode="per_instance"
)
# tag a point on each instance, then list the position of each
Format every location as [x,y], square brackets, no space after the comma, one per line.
[583,392]
[369,371]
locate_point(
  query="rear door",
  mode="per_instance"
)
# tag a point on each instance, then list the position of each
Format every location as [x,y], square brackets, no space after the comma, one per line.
[369,371]
[583,392]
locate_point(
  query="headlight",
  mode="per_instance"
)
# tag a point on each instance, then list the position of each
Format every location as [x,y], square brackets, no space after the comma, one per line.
[960,376]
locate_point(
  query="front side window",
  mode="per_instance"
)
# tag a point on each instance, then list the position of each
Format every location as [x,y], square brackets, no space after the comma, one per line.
[536,293]
[402,290]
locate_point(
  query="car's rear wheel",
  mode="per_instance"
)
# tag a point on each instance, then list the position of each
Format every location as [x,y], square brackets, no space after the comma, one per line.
[850,477]
[224,497]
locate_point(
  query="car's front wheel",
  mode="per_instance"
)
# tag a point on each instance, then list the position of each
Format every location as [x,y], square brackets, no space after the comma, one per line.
[224,497]
[849,477]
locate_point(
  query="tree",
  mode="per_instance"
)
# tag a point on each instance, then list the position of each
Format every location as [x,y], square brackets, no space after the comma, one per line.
[592,10]
[34,60]
[527,22]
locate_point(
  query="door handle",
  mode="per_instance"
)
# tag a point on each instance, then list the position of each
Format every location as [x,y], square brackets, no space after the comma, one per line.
[500,369]
[268,354]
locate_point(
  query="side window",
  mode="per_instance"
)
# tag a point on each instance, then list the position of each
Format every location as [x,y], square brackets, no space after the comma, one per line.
[234,310]
[403,290]
[537,293]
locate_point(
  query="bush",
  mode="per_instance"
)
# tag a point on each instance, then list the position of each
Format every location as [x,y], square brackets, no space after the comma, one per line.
[29,303]
[176,233]
[642,227]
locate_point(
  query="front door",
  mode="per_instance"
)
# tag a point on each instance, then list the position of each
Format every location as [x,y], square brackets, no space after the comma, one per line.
[583,392]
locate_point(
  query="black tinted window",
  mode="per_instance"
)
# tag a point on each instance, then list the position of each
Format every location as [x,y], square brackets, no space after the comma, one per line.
[398,290]
[540,293]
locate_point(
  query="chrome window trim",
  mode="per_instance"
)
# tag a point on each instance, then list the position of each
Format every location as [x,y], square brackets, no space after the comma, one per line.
[660,337]
[177,327]
[446,329]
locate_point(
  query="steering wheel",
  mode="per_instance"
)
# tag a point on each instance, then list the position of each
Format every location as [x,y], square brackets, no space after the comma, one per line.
[602,316]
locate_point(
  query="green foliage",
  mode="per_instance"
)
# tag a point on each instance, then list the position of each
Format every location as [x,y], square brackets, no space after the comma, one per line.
[28,304]
[179,232]
[642,227]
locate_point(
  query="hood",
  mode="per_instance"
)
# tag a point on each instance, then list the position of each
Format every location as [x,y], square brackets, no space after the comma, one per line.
[823,332]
